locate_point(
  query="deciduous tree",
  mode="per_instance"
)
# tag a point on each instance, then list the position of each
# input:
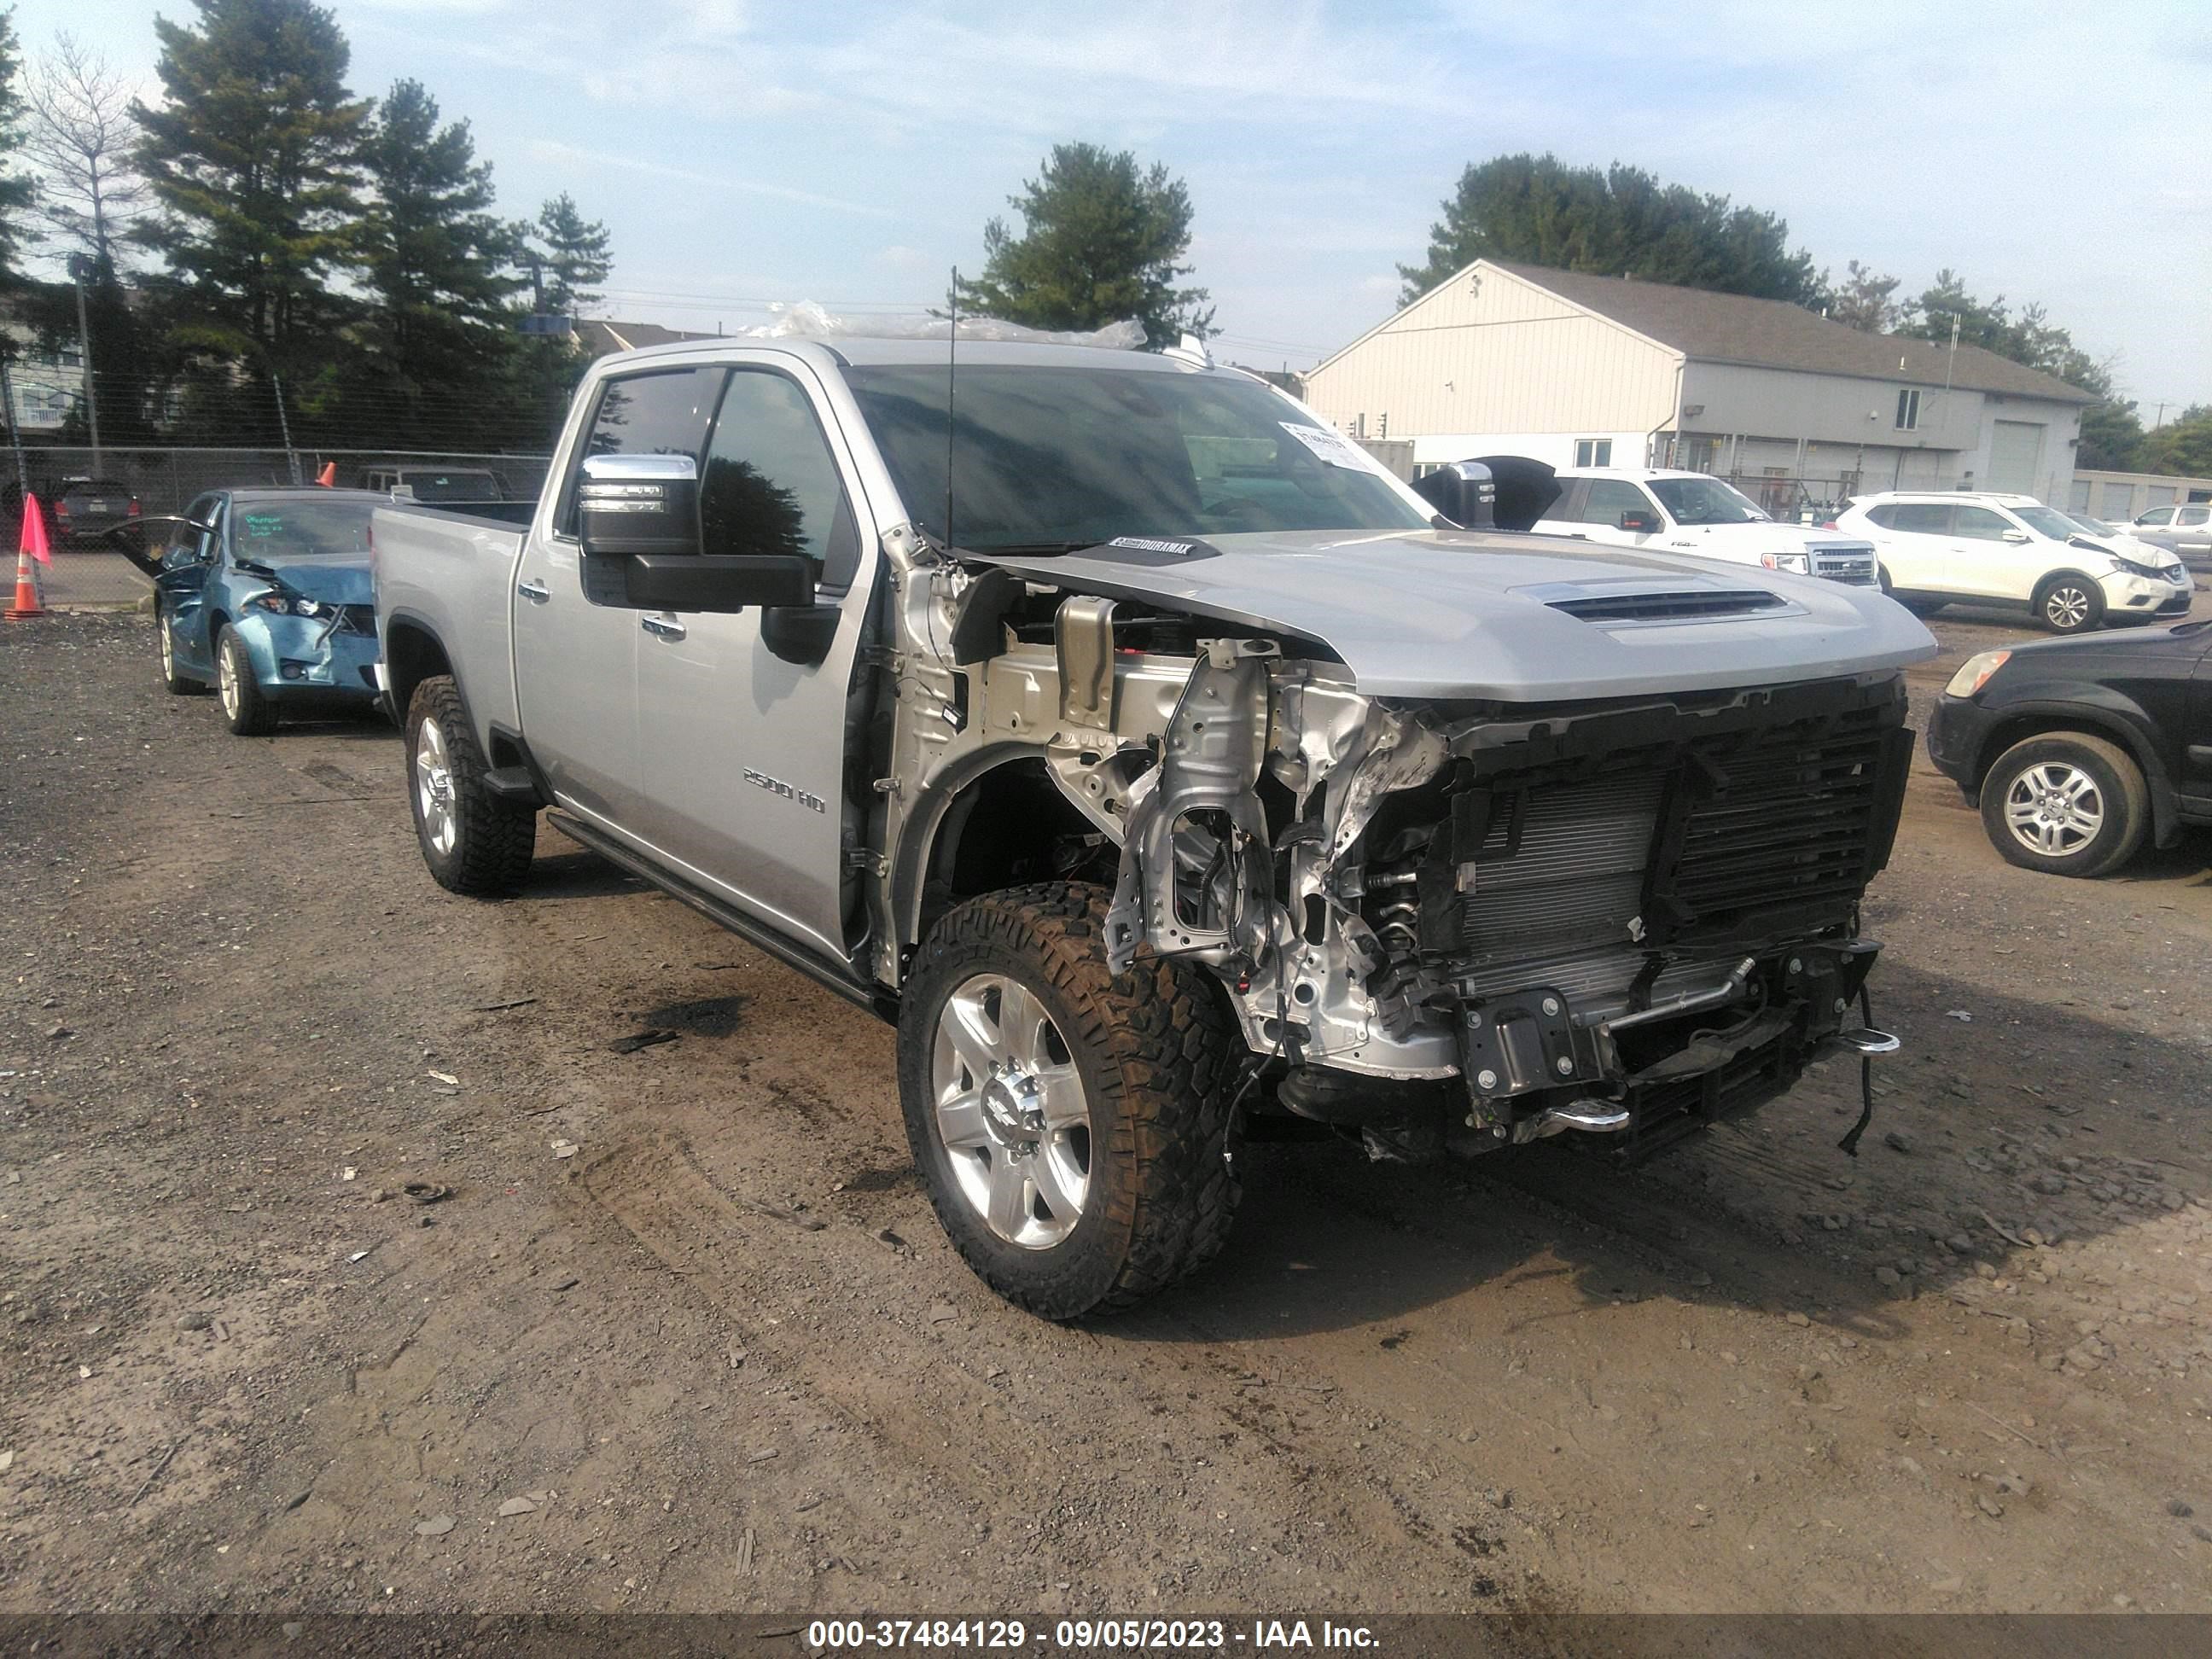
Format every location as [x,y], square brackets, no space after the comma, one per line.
[82,135]
[1102,239]
[2182,446]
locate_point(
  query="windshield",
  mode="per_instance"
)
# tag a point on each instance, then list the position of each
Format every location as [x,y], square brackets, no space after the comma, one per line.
[451,486]
[1060,458]
[1705,500]
[283,532]
[2045,522]
[2094,526]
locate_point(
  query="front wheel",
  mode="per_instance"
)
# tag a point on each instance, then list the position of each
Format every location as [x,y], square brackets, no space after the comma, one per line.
[2066,803]
[2070,605]
[248,712]
[476,842]
[179,685]
[1074,1128]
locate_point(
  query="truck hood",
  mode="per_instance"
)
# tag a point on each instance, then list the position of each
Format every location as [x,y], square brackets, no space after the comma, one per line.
[1506,617]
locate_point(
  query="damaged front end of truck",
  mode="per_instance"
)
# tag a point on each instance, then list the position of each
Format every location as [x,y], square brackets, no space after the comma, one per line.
[1450,922]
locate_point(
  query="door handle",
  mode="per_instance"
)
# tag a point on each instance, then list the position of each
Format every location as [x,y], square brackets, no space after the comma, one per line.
[662,627]
[536,592]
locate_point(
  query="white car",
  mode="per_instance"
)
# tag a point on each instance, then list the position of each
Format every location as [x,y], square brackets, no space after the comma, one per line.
[1695,513]
[1941,547]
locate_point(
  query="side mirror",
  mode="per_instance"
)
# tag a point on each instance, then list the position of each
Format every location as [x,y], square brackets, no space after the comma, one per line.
[638,515]
[1638,522]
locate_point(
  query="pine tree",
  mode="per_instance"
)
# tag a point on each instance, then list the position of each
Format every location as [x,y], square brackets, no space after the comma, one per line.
[1611,222]
[566,254]
[18,190]
[253,159]
[1101,241]
[436,260]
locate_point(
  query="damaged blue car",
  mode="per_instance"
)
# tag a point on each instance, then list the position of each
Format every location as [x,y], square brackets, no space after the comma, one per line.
[264,597]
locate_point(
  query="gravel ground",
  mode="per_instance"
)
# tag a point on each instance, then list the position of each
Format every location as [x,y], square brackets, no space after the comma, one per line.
[349,1264]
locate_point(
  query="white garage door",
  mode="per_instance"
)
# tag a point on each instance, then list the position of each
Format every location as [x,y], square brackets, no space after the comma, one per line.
[2016,456]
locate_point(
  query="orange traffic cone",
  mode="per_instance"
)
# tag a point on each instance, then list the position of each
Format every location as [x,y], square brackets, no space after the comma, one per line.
[328,478]
[29,601]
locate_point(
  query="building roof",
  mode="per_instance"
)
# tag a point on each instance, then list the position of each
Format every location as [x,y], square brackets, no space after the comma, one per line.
[1730,328]
[595,338]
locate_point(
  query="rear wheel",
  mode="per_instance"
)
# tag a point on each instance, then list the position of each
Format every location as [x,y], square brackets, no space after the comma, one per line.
[250,714]
[1074,1128]
[476,842]
[2067,604]
[180,685]
[2066,803]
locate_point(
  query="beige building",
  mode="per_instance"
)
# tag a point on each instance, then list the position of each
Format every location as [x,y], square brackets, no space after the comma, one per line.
[1591,371]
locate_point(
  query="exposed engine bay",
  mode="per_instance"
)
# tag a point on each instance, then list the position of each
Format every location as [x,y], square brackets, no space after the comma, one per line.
[1443,924]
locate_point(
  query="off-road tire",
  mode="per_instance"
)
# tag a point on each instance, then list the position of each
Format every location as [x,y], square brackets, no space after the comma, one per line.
[2125,797]
[165,645]
[494,837]
[2079,618]
[1152,1048]
[253,715]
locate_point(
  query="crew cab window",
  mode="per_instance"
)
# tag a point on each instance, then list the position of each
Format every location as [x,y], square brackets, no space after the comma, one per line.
[770,483]
[1609,498]
[1919,517]
[1977,523]
[663,413]
[2157,516]
[2192,515]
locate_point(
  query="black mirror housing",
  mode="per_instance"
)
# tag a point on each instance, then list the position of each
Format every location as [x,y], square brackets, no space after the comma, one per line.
[720,582]
[1638,523]
[628,504]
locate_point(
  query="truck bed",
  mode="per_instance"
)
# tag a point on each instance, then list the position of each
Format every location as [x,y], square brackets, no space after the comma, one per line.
[450,572]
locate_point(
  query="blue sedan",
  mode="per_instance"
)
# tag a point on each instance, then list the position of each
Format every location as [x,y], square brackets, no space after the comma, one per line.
[264,595]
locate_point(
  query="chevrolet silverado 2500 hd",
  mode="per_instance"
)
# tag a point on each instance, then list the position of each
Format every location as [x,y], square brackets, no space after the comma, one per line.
[1158,763]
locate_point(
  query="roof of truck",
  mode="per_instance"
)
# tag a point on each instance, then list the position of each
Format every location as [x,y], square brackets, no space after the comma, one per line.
[871,353]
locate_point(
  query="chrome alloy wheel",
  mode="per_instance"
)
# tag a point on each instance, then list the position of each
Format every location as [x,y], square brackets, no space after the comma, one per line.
[2066,608]
[434,788]
[225,680]
[2054,809]
[1010,1112]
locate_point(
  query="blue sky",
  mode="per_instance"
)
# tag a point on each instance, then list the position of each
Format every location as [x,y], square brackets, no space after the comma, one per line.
[743,153]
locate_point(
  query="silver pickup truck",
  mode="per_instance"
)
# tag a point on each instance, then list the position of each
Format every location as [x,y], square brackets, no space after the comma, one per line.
[1162,767]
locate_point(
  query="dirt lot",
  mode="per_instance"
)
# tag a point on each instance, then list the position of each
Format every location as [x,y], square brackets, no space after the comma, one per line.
[724,1359]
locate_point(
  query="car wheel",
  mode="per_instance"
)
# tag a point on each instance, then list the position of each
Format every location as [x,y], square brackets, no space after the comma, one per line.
[2070,605]
[2067,804]
[180,685]
[476,842]
[247,711]
[1074,1128]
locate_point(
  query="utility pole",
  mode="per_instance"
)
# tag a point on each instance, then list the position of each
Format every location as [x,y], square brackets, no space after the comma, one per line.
[77,263]
[284,428]
[15,426]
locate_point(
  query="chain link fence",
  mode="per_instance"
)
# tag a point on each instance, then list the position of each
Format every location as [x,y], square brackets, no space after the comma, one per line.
[168,478]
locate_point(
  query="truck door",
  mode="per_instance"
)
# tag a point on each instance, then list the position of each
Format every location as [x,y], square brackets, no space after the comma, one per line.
[742,719]
[1611,501]
[575,658]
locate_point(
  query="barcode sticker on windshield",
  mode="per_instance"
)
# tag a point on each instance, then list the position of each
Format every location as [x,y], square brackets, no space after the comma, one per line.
[1333,447]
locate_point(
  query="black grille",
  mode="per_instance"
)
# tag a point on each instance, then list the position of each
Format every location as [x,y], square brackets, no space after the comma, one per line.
[356,619]
[1792,822]
[1689,604]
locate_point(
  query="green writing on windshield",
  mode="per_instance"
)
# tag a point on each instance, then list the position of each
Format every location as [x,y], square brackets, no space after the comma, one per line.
[260,525]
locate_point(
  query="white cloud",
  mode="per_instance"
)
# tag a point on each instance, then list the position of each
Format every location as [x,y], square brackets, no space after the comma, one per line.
[561,153]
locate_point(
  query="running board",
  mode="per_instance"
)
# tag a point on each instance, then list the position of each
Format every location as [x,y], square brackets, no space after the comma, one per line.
[823,972]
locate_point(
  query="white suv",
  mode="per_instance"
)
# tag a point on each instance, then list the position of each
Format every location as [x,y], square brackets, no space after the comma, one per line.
[1695,513]
[1939,547]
